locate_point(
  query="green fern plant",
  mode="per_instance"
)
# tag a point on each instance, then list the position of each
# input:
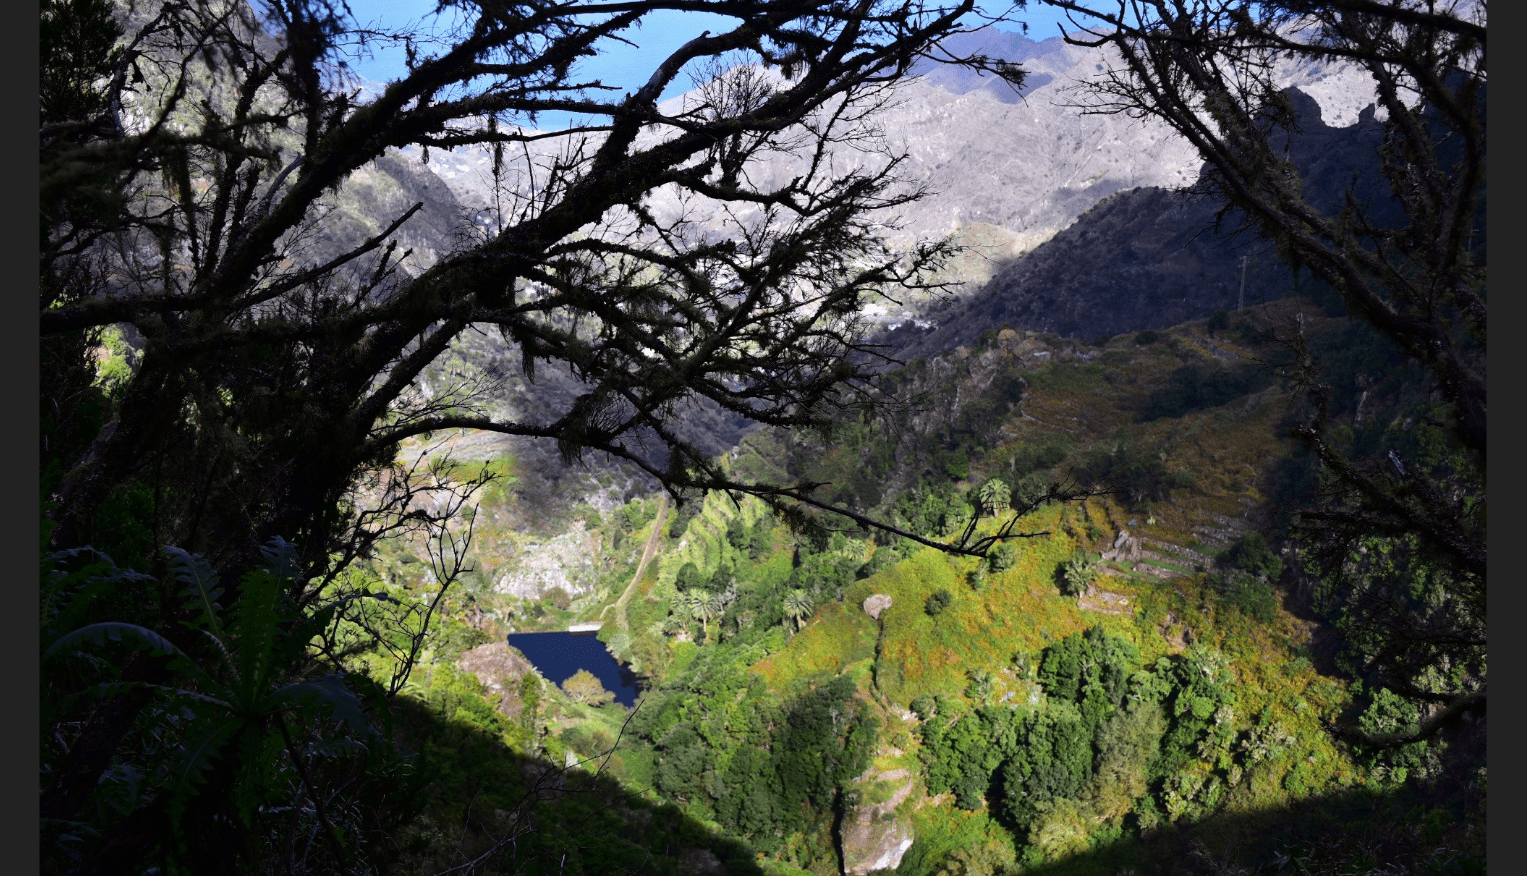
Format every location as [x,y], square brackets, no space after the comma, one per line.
[239,738]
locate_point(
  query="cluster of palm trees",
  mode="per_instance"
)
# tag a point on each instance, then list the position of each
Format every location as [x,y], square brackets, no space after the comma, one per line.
[703,606]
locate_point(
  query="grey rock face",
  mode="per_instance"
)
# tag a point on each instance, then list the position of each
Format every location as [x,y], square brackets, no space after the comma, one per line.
[567,561]
[871,838]
[1028,162]
[1010,171]
[1150,258]
[1126,549]
[876,604]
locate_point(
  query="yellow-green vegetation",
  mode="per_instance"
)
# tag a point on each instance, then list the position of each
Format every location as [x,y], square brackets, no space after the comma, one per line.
[1055,705]
[115,359]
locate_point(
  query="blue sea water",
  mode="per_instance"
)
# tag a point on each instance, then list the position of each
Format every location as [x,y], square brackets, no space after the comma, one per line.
[559,655]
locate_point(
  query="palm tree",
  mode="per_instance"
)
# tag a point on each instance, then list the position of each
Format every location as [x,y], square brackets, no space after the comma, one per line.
[704,605]
[995,495]
[1079,572]
[797,605]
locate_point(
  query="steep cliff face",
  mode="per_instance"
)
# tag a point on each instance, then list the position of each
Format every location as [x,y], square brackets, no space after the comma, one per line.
[1019,165]
[1149,258]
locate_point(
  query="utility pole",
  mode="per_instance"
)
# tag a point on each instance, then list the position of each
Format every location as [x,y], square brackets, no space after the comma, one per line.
[1241,301]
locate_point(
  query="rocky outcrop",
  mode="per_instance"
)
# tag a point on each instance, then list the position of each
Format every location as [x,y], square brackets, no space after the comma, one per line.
[499,668]
[1149,257]
[1105,602]
[567,561]
[871,837]
[875,604]
[1132,551]
[1126,549]
[1176,553]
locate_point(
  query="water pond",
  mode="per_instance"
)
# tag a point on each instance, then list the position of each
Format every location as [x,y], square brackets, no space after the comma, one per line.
[559,655]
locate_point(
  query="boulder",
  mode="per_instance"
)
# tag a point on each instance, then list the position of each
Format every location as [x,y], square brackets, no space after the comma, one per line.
[877,603]
[1126,549]
[499,669]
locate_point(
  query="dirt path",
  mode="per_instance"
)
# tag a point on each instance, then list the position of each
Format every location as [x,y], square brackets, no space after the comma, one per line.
[647,554]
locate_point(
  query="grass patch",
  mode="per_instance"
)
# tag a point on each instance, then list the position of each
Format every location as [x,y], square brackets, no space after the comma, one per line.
[1067,377]
[838,635]
[1170,567]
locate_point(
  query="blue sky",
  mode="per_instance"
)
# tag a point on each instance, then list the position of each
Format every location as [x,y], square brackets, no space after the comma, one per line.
[624,67]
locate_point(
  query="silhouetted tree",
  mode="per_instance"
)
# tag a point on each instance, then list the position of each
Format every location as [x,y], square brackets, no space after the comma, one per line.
[188,169]
[1399,535]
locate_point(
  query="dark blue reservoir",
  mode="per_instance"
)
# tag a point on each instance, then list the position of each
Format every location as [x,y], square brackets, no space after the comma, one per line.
[559,655]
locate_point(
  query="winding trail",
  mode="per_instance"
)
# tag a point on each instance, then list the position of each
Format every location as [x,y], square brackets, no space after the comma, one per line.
[647,553]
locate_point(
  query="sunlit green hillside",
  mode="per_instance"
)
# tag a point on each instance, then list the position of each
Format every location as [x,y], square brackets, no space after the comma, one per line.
[1143,656]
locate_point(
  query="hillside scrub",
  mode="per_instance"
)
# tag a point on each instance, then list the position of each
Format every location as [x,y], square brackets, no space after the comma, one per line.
[1197,701]
[1200,698]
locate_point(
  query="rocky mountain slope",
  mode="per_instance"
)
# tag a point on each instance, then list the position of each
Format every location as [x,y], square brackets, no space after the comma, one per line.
[1148,258]
[1022,165]
[1069,215]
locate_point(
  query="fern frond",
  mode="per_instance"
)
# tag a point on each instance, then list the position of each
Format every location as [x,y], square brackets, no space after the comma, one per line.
[258,615]
[112,631]
[329,693]
[196,573]
[254,626]
[69,596]
[199,755]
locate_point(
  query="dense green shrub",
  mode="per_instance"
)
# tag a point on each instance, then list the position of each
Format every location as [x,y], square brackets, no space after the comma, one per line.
[1199,684]
[1138,474]
[1030,489]
[1248,593]
[681,762]
[1388,713]
[825,574]
[737,534]
[962,751]
[883,558]
[924,706]
[1077,573]
[789,776]
[1038,457]
[1254,555]
[1094,656]
[683,513]
[933,510]
[1201,385]
[1052,764]
[1248,582]
[1002,556]
[937,602]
